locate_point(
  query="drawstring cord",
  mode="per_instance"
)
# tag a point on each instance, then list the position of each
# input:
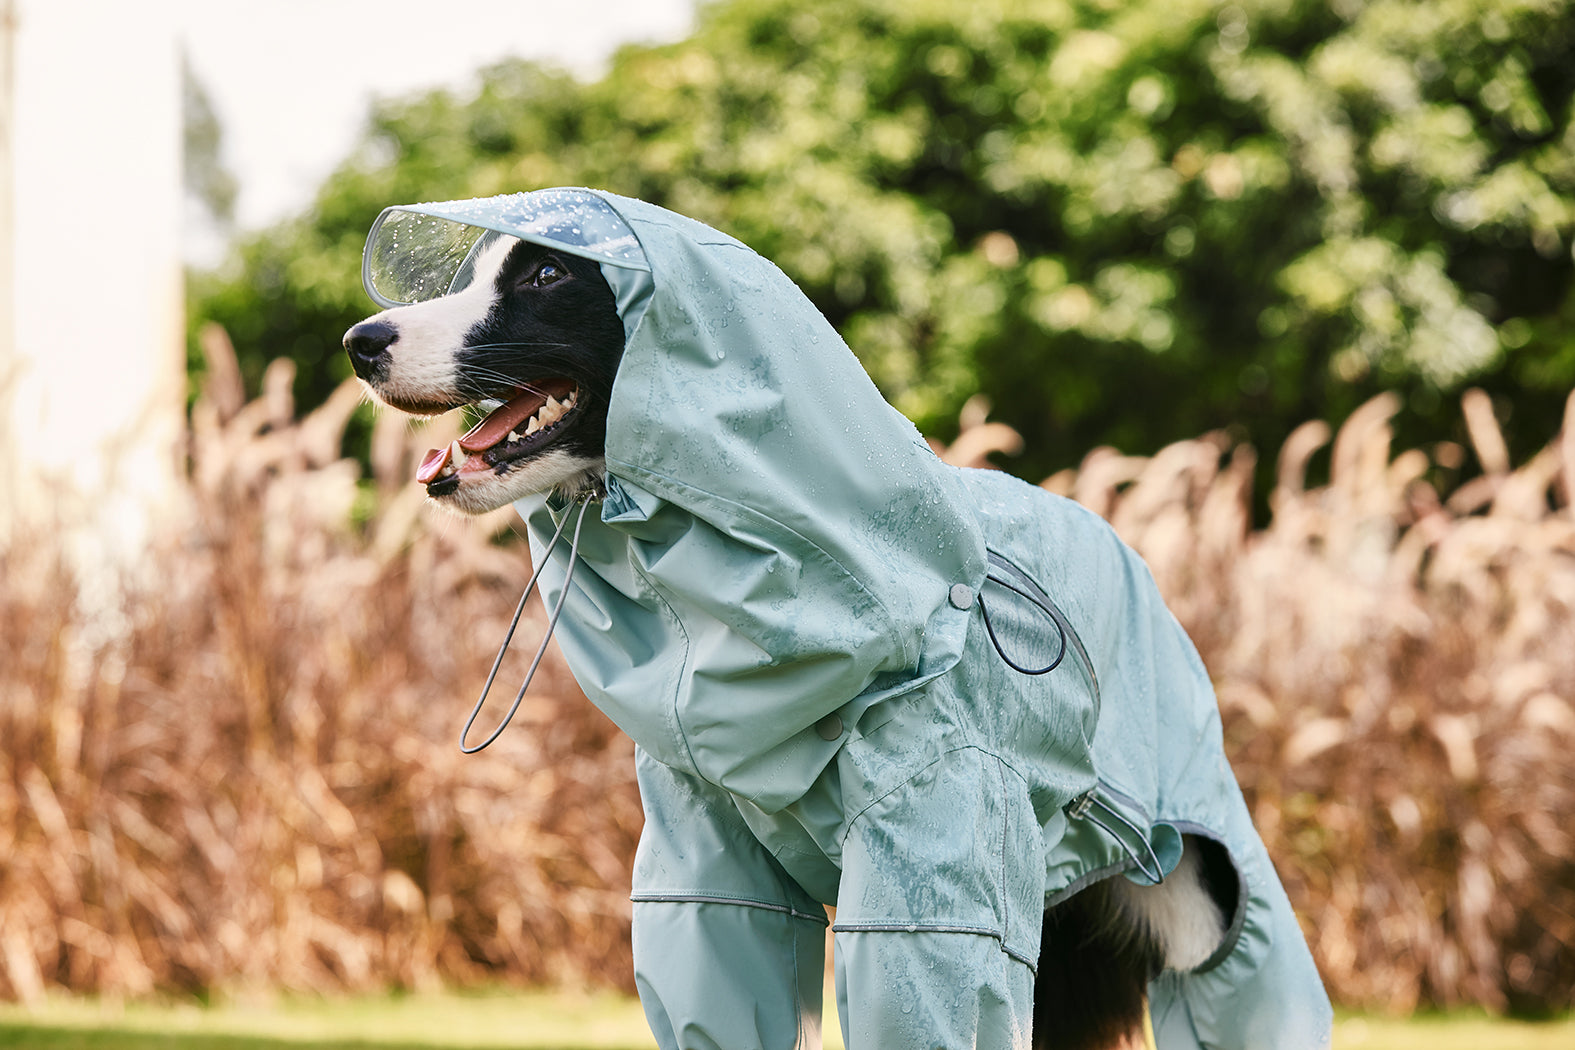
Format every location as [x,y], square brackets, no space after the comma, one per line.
[1001,651]
[1005,574]
[1079,808]
[585,500]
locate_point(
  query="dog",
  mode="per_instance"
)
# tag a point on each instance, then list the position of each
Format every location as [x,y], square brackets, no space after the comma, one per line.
[535,339]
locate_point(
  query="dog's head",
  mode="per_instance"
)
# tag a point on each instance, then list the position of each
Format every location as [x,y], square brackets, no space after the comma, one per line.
[534,337]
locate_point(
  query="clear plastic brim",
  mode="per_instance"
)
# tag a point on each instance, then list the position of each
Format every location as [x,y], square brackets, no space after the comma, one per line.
[411,257]
[421,251]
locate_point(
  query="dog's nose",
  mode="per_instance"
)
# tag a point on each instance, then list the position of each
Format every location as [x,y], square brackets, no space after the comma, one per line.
[367,344]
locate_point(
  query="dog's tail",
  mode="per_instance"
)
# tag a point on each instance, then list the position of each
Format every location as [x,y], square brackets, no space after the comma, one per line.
[1101,948]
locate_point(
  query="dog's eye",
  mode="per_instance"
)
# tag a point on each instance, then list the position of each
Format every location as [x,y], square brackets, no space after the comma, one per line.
[547,273]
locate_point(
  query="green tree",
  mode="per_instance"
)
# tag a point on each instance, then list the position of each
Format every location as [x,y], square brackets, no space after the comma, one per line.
[1125,221]
[208,181]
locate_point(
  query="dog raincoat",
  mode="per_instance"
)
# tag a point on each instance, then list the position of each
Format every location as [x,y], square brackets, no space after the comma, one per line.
[808,625]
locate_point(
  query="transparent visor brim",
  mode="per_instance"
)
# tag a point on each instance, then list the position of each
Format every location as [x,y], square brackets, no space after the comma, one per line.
[411,258]
[424,251]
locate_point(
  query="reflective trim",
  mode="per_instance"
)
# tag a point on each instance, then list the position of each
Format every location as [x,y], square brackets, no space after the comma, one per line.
[702,898]
[911,927]
[1238,921]
[1082,882]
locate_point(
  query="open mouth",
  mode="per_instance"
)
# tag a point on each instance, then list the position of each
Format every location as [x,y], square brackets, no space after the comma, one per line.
[536,416]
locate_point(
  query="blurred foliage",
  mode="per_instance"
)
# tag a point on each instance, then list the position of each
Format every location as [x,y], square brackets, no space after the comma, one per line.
[1124,221]
[210,184]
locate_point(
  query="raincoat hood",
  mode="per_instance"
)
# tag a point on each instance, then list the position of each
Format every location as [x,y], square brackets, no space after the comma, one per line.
[777,547]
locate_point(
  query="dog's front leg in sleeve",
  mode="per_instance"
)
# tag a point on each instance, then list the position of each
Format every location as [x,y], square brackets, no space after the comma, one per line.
[939,911]
[729,952]
[915,991]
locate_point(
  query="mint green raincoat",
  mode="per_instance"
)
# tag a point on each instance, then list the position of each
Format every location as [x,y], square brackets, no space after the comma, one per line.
[786,600]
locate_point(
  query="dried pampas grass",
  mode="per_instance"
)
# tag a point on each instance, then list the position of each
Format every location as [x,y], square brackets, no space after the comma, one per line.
[240,769]
[1396,670]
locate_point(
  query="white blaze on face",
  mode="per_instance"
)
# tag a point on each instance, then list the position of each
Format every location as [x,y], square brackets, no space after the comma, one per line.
[423,361]
[423,368]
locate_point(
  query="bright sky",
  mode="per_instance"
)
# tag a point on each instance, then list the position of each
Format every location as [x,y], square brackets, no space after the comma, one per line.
[292,79]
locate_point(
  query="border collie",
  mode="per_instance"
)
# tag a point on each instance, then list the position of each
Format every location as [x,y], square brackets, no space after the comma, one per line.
[536,339]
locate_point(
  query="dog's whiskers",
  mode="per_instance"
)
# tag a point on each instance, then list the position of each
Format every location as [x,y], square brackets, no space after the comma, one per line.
[477,374]
[517,346]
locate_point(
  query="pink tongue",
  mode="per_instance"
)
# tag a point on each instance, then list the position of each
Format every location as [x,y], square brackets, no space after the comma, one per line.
[496,426]
[433,464]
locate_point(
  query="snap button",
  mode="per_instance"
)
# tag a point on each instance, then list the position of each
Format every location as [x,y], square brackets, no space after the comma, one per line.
[961,596]
[829,727]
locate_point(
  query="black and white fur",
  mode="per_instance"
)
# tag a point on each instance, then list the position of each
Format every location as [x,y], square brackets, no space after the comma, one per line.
[533,317]
[530,318]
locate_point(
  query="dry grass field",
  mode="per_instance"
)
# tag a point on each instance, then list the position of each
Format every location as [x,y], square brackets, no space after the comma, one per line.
[236,768]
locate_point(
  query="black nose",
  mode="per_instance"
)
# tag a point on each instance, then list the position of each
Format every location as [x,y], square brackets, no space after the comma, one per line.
[367,344]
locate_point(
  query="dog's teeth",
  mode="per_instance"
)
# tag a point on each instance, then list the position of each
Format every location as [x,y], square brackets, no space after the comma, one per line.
[533,426]
[514,435]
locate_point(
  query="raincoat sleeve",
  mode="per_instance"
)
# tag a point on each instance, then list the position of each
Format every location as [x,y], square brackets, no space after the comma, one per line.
[729,952]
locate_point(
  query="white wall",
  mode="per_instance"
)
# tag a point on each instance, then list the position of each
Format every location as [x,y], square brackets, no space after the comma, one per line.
[96,322]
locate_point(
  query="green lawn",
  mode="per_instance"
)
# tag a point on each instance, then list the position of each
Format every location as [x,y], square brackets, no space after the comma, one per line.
[547,1021]
[451,1021]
